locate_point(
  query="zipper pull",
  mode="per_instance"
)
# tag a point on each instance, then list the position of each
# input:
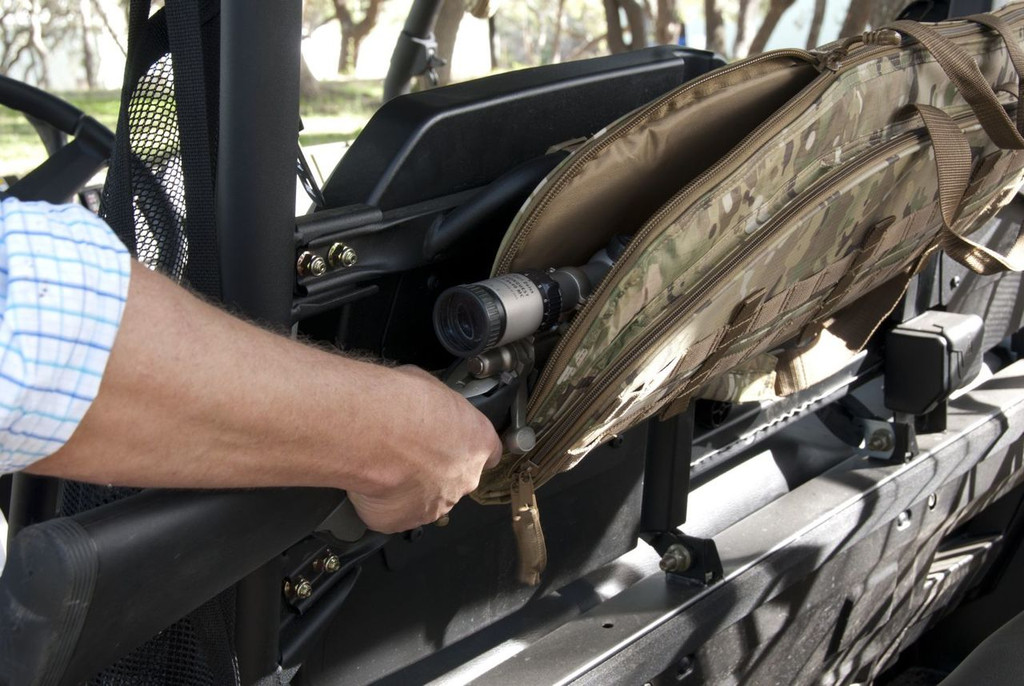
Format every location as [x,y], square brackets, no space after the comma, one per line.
[533,554]
[834,59]
[883,37]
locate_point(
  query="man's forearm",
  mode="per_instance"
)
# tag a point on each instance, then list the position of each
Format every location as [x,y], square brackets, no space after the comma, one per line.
[195,398]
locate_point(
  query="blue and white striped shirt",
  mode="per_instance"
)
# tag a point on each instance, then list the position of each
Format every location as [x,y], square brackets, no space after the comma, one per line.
[63,285]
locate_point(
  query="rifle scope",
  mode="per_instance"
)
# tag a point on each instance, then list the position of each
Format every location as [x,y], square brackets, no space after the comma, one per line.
[473,318]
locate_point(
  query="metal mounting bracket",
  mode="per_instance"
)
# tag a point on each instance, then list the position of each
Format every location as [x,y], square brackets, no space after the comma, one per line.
[688,559]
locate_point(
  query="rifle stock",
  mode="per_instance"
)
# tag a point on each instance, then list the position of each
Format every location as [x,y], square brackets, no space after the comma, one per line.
[78,593]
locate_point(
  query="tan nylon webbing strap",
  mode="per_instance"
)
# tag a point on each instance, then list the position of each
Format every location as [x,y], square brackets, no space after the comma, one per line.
[869,247]
[963,71]
[533,553]
[953,159]
[980,259]
[1009,36]
[738,326]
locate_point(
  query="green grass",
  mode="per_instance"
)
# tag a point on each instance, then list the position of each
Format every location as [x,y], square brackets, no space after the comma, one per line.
[337,113]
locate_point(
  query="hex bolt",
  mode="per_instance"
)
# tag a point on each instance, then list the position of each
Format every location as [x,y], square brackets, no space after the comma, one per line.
[880,441]
[676,559]
[303,589]
[954,282]
[341,255]
[332,563]
[310,264]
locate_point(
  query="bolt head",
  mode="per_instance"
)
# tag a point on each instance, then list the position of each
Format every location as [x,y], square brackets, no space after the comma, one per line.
[303,589]
[443,521]
[340,255]
[676,559]
[332,564]
[880,441]
[933,500]
[310,264]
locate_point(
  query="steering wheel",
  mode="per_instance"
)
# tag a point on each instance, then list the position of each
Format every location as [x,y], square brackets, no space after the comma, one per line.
[70,165]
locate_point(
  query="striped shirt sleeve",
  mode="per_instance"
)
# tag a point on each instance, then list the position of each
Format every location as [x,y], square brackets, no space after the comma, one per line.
[63,285]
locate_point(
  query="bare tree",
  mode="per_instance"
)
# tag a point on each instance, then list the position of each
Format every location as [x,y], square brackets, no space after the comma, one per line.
[741,26]
[776,8]
[29,29]
[118,39]
[814,35]
[856,17]
[666,22]
[88,56]
[354,32]
[556,40]
[636,24]
[714,27]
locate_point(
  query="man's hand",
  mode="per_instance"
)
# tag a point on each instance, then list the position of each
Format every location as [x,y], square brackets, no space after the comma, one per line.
[431,457]
[195,398]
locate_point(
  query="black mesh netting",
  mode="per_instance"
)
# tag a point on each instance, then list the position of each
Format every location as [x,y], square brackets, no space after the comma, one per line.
[159,191]
[158,187]
[158,198]
[196,651]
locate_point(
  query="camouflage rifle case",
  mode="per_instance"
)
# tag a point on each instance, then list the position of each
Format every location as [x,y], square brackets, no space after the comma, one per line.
[779,207]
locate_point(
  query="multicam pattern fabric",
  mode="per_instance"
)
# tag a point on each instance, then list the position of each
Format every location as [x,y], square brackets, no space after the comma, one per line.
[844,156]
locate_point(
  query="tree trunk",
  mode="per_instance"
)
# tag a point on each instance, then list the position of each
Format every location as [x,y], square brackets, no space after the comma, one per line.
[741,27]
[446,29]
[714,27]
[814,35]
[636,21]
[666,24]
[37,47]
[353,32]
[775,11]
[88,58]
[856,18]
[556,39]
[492,41]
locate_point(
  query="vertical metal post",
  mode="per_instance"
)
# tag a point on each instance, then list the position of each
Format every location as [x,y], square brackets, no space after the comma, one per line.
[258,138]
[410,48]
[259,128]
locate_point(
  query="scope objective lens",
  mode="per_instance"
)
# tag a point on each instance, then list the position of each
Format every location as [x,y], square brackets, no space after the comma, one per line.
[476,317]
